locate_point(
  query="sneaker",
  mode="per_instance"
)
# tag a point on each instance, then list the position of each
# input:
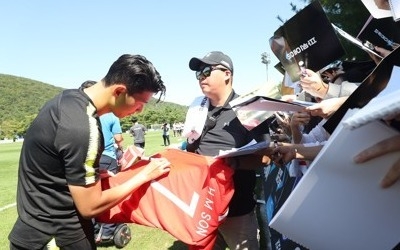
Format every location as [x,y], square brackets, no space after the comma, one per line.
[103,238]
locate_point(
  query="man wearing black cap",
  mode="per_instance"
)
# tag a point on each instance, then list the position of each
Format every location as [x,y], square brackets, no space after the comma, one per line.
[222,130]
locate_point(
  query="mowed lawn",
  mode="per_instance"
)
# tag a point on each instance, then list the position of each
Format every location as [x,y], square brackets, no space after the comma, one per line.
[142,237]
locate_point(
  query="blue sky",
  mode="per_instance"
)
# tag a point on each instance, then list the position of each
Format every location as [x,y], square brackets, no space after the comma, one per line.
[64,43]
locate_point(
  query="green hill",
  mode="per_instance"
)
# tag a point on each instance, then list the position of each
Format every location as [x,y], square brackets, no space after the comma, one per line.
[21,96]
[21,99]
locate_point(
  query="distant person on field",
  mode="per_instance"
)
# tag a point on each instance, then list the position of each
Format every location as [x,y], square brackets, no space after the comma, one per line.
[138,132]
[175,129]
[165,134]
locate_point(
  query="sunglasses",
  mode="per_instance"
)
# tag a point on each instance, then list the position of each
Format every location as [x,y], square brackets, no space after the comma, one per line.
[206,71]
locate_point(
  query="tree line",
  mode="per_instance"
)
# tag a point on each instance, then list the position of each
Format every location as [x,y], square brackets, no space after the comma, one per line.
[21,99]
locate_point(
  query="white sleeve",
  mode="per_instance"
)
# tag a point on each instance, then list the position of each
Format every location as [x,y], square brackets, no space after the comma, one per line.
[316,135]
[340,90]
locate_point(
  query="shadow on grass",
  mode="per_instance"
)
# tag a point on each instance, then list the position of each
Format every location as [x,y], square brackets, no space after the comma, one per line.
[178,245]
[106,244]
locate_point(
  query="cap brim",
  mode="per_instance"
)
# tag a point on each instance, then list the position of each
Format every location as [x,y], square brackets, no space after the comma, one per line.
[196,63]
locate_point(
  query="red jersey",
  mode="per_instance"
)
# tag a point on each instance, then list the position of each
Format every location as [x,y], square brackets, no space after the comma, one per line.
[189,203]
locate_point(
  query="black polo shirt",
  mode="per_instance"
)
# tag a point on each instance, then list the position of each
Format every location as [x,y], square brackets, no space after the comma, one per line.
[229,133]
[62,147]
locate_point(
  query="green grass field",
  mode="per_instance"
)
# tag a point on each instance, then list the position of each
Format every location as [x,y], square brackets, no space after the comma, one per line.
[142,237]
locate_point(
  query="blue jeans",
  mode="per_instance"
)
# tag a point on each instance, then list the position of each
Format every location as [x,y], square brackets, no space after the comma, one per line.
[110,164]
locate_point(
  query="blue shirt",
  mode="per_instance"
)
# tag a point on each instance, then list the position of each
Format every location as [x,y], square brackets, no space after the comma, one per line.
[110,126]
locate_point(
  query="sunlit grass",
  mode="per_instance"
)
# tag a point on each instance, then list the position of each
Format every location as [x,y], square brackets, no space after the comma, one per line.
[142,237]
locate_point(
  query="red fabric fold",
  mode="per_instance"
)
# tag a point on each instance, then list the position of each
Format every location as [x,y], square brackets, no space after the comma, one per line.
[189,203]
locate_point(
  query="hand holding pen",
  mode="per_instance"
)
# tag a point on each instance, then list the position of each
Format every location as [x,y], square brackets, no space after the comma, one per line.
[303,70]
[313,84]
[276,155]
[282,154]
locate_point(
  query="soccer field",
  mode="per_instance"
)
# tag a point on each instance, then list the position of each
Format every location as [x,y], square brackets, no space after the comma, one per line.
[142,237]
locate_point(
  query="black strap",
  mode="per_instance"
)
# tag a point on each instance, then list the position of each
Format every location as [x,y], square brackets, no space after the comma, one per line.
[211,121]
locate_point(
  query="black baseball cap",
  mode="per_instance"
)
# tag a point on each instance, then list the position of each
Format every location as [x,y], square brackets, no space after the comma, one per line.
[212,58]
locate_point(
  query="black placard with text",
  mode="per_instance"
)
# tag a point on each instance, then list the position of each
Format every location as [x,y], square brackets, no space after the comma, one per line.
[382,32]
[309,37]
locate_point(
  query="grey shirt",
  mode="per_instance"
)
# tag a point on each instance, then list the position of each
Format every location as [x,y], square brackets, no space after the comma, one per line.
[138,131]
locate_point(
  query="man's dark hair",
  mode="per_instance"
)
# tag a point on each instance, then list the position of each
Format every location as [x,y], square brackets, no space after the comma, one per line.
[87,84]
[137,73]
[134,119]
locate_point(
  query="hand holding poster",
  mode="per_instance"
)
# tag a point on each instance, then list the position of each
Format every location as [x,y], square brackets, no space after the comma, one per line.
[370,87]
[253,109]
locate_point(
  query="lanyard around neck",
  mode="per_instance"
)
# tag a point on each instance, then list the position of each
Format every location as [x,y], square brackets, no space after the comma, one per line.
[217,110]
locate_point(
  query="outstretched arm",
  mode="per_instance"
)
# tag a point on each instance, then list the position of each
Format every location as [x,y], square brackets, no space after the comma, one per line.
[287,152]
[92,200]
